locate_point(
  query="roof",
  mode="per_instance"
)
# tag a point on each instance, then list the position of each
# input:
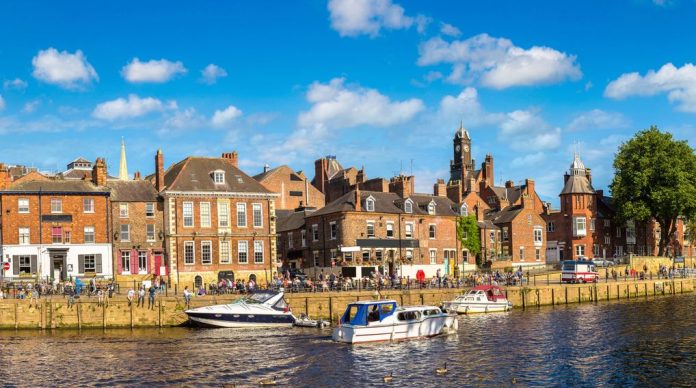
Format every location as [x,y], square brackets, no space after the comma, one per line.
[56,186]
[504,216]
[577,163]
[132,191]
[462,132]
[511,194]
[195,174]
[577,184]
[284,168]
[389,203]
[290,220]
[81,160]
[486,224]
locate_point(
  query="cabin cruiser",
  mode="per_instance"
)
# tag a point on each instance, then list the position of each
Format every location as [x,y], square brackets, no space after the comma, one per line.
[260,309]
[369,321]
[480,299]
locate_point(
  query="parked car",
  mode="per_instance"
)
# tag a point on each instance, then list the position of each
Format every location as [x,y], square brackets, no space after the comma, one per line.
[603,262]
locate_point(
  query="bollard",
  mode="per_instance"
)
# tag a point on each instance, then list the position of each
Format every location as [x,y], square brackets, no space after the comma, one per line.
[547,279]
[553,295]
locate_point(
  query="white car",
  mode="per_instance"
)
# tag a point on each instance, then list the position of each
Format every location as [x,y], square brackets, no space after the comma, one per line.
[603,262]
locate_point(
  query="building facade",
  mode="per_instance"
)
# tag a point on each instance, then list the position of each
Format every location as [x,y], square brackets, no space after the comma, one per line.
[293,188]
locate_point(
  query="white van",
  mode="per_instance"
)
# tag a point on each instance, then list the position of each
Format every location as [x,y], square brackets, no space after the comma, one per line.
[580,271]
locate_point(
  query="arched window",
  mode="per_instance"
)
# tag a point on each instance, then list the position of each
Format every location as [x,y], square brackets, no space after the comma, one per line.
[431,208]
[198,281]
[370,204]
[464,211]
[408,206]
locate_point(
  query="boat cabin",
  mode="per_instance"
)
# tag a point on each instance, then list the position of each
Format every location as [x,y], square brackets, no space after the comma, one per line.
[362,313]
[486,293]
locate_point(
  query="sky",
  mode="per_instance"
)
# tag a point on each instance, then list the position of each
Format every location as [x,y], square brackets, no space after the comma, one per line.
[382,84]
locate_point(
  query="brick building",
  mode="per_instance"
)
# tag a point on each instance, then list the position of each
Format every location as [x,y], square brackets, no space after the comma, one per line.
[293,188]
[334,181]
[55,229]
[521,235]
[218,221]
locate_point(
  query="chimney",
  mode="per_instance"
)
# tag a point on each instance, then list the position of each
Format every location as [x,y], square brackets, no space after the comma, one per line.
[402,185]
[232,156]
[99,172]
[509,184]
[440,189]
[266,167]
[358,202]
[320,167]
[159,171]
[488,169]
[136,175]
[530,187]
[5,178]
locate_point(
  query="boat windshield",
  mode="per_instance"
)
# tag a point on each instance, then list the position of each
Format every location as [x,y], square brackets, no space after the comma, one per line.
[255,298]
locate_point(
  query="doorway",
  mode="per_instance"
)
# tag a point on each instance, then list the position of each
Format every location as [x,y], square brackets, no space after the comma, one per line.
[58,267]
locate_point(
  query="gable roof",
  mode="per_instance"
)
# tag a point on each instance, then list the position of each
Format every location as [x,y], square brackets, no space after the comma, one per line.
[389,203]
[56,186]
[504,216]
[132,191]
[290,220]
[194,174]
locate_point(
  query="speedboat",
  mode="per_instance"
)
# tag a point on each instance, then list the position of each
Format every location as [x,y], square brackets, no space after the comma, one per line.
[305,321]
[260,309]
[370,321]
[480,299]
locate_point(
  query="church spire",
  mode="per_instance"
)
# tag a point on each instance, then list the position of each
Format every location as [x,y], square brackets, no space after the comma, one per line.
[123,166]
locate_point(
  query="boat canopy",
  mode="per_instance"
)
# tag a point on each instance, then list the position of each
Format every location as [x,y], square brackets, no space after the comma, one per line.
[360,314]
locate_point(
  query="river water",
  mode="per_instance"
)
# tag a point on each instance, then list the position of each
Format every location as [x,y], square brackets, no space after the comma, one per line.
[630,343]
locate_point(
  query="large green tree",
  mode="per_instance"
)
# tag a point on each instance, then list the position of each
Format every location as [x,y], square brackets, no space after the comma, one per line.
[655,177]
[690,233]
[468,234]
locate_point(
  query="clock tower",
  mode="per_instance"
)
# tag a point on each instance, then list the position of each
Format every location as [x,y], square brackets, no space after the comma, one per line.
[462,162]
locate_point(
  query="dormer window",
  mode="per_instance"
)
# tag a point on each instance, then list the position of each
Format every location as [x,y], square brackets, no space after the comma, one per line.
[370,204]
[464,211]
[219,176]
[408,206]
[431,208]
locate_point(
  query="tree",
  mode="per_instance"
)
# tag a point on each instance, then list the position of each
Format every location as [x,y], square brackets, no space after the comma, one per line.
[655,177]
[690,233]
[468,235]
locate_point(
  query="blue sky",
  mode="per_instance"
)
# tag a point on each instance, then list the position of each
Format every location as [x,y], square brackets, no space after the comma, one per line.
[381,83]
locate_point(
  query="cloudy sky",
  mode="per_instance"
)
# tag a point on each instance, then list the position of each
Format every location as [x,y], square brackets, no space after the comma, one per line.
[380,83]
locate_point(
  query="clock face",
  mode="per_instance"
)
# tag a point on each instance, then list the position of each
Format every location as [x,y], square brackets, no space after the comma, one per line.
[457,148]
[466,148]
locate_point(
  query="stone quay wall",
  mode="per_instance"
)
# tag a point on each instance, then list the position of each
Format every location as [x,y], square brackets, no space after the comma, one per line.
[169,311]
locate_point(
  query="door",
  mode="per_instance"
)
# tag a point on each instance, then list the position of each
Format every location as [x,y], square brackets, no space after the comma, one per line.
[59,267]
[160,268]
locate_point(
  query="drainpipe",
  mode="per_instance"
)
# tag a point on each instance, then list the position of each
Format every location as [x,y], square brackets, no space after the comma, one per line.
[41,234]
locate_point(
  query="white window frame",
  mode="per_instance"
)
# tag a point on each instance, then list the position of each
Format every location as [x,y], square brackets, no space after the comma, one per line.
[257,209]
[370,204]
[241,209]
[538,236]
[90,264]
[125,259]
[192,245]
[595,250]
[204,214]
[24,234]
[258,248]
[431,208]
[537,254]
[303,235]
[223,214]
[521,253]
[432,231]
[406,229]
[592,224]
[56,205]
[150,209]
[408,206]
[219,177]
[150,237]
[122,210]
[209,259]
[88,205]
[390,228]
[315,232]
[243,251]
[551,227]
[315,258]
[127,231]
[142,269]
[432,256]
[409,254]
[464,210]
[187,214]
[225,253]
[579,231]
[87,232]
[23,206]
[369,224]
[580,250]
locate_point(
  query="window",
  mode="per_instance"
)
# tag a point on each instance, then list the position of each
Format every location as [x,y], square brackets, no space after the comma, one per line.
[150,232]
[537,255]
[492,236]
[315,258]
[334,230]
[23,205]
[592,224]
[366,255]
[24,264]
[290,242]
[607,223]
[315,232]
[56,235]
[390,230]
[433,256]
[607,240]
[206,253]
[258,252]
[431,231]
[241,215]
[205,214]
[88,205]
[223,214]
[125,262]
[348,256]
[522,253]
[618,231]
[295,193]
[90,264]
[188,214]
[219,177]
[189,253]
[431,208]
[125,232]
[66,237]
[123,210]
[242,250]
[465,256]
[578,202]
[529,219]
[408,206]
[224,252]
[56,205]
[24,236]
[258,215]
[409,230]
[551,227]
[580,251]
[464,210]
[595,250]
[150,209]
[378,255]
[409,254]
[142,262]
[538,236]
[89,234]
[505,233]
[579,226]
[370,229]
[370,205]
[303,237]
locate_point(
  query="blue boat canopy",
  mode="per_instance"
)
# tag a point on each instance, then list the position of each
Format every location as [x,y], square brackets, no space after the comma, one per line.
[360,314]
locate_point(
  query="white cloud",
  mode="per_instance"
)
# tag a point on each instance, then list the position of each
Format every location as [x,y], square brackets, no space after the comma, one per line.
[528,160]
[368,17]
[211,73]
[467,108]
[597,119]
[31,106]
[182,120]
[69,71]
[678,83]
[335,105]
[525,130]
[497,63]
[16,84]
[450,30]
[2,102]
[157,71]
[134,106]
[225,116]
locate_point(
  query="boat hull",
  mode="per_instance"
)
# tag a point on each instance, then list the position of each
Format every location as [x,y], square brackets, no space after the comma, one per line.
[426,327]
[241,320]
[478,308]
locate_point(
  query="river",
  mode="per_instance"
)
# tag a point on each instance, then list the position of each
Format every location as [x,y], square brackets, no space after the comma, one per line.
[630,343]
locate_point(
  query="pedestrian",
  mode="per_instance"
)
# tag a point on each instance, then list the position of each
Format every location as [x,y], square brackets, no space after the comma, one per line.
[111,290]
[187,296]
[100,297]
[34,297]
[151,298]
[130,296]
[141,297]
[70,292]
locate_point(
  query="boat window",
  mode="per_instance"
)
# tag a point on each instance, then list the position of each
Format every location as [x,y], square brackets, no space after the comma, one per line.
[431,312]
[386,310]
[281,304]
[353,316]
[408,316]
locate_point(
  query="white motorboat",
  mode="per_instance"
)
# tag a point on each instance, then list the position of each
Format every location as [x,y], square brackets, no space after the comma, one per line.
[305,321]
[480,299]
[370,321]
[260,309]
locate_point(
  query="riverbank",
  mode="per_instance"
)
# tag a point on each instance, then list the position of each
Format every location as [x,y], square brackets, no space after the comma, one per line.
[169,311]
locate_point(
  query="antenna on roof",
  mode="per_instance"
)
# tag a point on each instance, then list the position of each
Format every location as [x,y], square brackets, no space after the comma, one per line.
[411,173]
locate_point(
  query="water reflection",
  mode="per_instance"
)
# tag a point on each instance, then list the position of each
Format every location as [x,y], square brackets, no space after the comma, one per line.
[634,342]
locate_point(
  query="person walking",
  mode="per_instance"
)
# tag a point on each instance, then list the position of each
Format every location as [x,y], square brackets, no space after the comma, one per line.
[70,292]
[130,296]
[34,298]
[187,296]
[100,297]
[141,297]
[151,299]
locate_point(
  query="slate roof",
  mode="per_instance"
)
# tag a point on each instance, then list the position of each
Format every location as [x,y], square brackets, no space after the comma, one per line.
[195,174]
[511,194]
[132,191]
[388,203]
[577,184]
[66,186]
[291,220]
[297,175]
[487,224]
[504,216]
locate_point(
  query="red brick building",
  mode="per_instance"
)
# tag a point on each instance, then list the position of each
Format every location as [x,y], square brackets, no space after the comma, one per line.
[293,188]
